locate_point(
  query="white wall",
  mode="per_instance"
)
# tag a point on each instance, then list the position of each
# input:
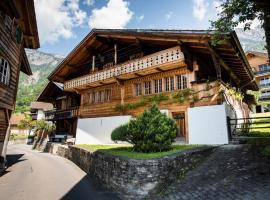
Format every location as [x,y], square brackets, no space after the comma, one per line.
[98,130]
[40,114]
[208,125]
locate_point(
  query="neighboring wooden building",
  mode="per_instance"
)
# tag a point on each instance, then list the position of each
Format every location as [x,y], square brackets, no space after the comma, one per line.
[65,108]
[260,64]
[38,109]
[118,73]
[14,122]
[18,30]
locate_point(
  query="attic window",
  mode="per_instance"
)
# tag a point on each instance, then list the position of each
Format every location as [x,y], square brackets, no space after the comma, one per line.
[4,71]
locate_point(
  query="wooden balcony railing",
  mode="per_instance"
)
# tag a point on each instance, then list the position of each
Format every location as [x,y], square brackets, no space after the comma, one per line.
[159,59]
[61,114]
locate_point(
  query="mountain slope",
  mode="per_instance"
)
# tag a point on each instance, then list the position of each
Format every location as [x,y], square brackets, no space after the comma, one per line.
[43,63]
[252,40]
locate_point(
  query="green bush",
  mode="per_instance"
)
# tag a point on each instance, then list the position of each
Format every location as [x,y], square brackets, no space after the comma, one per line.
[120,133]
[150,132]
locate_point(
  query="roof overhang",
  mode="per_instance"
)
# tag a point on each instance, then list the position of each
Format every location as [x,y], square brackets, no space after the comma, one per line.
[197,40]
[24,13]
[25,66]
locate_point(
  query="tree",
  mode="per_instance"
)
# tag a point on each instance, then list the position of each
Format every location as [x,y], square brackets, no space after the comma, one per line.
[27,123]
[235,12]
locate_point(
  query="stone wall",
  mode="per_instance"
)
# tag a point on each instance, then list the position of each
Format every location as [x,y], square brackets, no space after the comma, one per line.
[132,178]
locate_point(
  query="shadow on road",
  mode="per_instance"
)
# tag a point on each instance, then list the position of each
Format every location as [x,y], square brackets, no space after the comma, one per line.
[89,189]
[12,159]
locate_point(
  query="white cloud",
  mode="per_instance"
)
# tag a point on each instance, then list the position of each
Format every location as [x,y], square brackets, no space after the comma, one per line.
[169,15]
[140,18]
[200,9]
[57,18]
[217,6]
[89,2]
[116,14]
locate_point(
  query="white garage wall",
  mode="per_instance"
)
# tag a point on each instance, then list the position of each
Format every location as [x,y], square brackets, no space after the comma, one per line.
[98,130]
[208,125]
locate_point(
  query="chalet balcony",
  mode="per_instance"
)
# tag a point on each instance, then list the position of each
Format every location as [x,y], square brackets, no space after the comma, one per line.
[262,72]
[161,61]
[61,114]
[263,86]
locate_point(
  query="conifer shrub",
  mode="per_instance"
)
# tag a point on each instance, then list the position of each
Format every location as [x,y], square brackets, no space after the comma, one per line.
[152,131]
[120,133]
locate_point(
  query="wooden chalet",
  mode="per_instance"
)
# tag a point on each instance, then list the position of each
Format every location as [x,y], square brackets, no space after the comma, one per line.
[18,30]
[116,71]
[65,108]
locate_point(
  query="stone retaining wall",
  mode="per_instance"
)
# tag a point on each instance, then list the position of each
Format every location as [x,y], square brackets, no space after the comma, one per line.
[132,178]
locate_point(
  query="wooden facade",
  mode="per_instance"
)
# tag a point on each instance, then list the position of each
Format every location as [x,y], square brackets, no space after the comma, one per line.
[18,30]
[123,69]
[65,110]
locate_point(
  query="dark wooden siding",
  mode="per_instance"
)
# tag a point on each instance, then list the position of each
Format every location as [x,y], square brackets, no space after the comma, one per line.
[3,125]
[10,50]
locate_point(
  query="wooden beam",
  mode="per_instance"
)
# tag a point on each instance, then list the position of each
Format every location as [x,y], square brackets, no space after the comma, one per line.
[115,54]
[188,55]
[93,63]
[160,70]
[223,64]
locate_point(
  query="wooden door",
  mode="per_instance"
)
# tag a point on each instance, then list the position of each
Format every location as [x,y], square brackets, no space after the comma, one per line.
[179,117]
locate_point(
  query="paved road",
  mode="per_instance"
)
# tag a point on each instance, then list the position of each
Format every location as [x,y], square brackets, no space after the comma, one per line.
[42,176]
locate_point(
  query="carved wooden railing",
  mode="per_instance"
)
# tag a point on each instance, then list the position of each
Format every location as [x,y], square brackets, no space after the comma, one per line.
[61,114]
[153,60]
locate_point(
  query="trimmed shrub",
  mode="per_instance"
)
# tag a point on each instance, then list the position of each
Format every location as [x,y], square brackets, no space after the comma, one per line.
[120,133]
[150,132]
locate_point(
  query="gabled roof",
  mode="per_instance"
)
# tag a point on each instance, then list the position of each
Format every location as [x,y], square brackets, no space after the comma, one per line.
[41,106]
[196,40]
[50,92]
[257,53]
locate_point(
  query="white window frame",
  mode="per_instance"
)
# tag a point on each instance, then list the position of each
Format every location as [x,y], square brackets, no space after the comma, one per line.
[138,89]
[4,71]
[147,88]
[169,83]
[158,85]
[181,81]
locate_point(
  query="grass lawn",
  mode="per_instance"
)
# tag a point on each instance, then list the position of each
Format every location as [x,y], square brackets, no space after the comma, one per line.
[17,136]
[127,150]
[257,131]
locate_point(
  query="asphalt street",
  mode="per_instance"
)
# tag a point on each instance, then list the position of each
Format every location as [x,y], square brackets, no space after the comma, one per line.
[42,176]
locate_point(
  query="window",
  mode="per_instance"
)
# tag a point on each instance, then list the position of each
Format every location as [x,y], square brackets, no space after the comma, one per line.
[264,81]
[4,71]
[147,87]
[96,97]
[181,82]
[100,96]
[264,67]
[265,93]
[138,89]
[158,85]
[169,84]
[107,95]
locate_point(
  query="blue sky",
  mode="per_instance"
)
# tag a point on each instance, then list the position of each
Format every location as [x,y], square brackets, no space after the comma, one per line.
[62,24]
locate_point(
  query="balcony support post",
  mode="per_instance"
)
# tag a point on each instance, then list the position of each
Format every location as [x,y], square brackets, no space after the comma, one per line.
[93,63]
[115,54]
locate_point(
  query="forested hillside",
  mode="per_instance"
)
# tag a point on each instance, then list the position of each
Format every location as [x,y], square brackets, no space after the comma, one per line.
[30,87]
